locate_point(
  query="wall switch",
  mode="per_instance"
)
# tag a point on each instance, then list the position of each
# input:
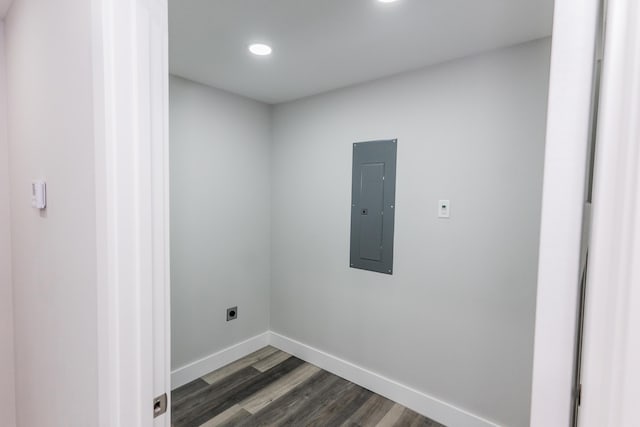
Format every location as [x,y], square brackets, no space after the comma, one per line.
[39,194]
[444,209]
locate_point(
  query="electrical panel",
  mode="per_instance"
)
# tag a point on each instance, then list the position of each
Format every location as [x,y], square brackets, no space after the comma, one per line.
[373,194]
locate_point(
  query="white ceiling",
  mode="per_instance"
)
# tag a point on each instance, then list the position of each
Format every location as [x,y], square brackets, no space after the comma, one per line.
[4,7]
[320,45]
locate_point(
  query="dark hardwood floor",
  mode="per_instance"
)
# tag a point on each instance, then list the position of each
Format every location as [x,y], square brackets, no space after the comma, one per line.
[273,388]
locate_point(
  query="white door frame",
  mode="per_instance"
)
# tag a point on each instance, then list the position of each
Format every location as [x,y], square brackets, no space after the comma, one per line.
[130,54]
[610,370]
[563,200]
[131,104]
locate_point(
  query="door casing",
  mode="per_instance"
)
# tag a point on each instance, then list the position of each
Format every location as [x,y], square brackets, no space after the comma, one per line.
[131,99]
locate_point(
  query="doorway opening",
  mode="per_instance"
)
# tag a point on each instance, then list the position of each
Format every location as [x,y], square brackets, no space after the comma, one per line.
[267,99]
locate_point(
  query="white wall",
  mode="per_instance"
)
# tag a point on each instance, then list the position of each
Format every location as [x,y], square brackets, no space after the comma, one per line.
[456,320]
[49,70]
[220,219]
[7,390]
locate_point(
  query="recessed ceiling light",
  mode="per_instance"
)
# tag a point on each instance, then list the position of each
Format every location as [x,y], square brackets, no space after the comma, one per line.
[260,49]
[387,1]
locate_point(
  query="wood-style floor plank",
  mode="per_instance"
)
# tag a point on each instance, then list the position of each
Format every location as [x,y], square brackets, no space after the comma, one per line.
[213,400]
[309,412]
[271,361]
[340,409]
[181,393]
[407,418]
[279,388]
[391,418]
[237,419]
[292,403]
[225,416]
[273,388]
[236,394]
[231,368]
[370,413]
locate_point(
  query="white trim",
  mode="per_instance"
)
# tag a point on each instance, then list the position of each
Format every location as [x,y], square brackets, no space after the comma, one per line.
[610,375]
[194,370]
[131,145]
[420,402]
[568,118]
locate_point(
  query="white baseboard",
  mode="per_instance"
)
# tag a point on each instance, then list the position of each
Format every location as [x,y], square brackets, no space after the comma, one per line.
[190,372]
[422,403]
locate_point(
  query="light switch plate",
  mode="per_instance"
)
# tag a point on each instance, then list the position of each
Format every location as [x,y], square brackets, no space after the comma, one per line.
[444,209]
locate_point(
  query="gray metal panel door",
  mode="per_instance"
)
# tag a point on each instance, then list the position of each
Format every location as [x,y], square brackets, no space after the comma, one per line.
[372,205]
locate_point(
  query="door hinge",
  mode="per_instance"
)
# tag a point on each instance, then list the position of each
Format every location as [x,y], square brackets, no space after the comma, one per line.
[159,405]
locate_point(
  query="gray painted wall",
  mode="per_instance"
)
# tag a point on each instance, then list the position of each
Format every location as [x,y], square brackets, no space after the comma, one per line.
[220,219]
[456,319]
